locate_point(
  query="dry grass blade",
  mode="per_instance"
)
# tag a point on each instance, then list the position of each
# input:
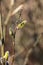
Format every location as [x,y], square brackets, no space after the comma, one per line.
[0,28]
[12,13]
[30,50]
[37,41]
[26,59]
[8,17]
[17,9]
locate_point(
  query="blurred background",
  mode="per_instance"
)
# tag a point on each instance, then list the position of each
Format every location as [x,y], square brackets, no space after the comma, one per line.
[25,38]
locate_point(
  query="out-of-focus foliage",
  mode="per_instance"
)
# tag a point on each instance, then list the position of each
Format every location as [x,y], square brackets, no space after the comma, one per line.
[24,39]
